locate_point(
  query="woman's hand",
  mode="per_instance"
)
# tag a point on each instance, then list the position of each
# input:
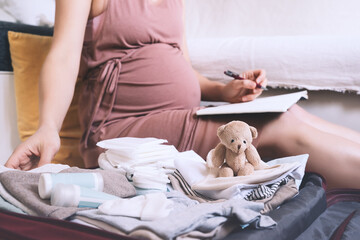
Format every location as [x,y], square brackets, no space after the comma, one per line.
[245,90]
[37,150]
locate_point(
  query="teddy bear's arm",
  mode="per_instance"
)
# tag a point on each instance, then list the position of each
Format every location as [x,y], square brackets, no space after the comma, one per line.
[218,155]
[253,157]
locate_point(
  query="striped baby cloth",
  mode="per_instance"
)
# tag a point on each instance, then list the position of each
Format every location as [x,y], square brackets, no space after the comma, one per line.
[266,191]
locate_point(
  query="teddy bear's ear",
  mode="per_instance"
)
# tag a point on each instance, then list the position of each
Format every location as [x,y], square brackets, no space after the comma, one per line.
[253,131]
[221,130]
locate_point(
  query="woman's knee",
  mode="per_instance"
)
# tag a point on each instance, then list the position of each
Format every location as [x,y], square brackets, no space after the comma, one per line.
[281,133]
[300,113]
[284,125]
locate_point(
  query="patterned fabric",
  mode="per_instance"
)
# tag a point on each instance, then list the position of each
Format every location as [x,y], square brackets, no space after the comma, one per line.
[266,191]
[187,188]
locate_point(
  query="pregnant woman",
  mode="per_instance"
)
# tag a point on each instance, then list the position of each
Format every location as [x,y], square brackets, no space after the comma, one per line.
[138,82]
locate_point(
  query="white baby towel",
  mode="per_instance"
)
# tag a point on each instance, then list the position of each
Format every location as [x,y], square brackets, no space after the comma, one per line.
[130,152]
[148,177]
[145,161]
[146,207]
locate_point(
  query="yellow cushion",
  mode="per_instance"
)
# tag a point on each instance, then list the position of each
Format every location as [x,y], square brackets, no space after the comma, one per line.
[28,53]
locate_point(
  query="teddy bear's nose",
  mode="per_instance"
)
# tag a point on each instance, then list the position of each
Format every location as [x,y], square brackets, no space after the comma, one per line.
[239,146]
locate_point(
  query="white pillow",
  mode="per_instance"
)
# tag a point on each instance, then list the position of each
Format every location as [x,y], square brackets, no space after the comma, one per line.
[314,63]
[33,12]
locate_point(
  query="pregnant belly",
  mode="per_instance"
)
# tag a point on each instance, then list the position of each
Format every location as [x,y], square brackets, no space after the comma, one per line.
[156,77]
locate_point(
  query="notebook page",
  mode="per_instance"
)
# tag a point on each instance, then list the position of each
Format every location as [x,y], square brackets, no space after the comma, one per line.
[279,103]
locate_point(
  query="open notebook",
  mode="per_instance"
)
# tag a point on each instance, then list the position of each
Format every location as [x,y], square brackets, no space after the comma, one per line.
[279,103]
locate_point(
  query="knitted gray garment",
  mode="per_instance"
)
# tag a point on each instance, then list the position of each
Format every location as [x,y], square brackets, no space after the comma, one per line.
[24,187]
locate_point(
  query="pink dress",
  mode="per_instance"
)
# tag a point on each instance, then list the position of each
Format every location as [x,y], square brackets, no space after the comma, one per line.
[137,82]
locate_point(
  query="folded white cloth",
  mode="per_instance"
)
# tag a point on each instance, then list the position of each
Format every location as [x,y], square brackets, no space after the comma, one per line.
[105,164]
[145,161]
[146,207]
[130,143]
[268,175]
[148,177]
[203,179]
[191,166]
[130,152]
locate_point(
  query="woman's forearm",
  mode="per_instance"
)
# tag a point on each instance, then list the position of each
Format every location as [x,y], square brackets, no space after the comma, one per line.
[59,73]
[234,91]
[56,88]
[210,90]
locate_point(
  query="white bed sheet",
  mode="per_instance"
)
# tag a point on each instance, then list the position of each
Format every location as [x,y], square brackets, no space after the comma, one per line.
[310,62]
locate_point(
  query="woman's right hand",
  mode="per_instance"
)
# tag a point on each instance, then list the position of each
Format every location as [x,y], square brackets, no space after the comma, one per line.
[245,90]
[37,150]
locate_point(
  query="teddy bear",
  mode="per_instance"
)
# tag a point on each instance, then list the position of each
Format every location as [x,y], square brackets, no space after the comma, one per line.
[235,153]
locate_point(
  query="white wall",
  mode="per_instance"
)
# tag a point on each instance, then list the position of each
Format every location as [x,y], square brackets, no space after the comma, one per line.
[9,137]
[229,18]
[242,17]
[33,12]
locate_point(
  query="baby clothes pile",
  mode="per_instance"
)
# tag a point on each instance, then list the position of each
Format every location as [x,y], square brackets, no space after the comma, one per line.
[273,185]
[146,161]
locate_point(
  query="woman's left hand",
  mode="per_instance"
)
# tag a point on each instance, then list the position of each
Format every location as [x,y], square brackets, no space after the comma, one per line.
[245,90]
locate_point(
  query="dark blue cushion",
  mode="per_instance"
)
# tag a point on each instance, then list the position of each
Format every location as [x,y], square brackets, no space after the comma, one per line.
[5,60]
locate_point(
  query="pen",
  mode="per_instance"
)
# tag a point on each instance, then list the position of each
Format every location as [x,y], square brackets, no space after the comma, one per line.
[237,76]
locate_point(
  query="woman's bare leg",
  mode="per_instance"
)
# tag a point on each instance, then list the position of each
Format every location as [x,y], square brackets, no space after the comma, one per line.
[325,126]
[336,158]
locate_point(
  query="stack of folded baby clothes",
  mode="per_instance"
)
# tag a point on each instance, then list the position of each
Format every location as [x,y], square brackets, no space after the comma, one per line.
[146,161]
